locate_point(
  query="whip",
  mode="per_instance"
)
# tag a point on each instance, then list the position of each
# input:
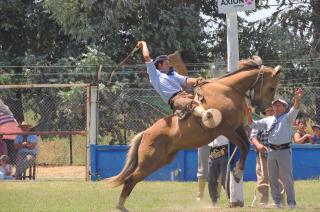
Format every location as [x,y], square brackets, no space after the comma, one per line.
[136,48]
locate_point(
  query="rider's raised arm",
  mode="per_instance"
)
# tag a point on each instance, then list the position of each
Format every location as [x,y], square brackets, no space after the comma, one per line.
[145,51]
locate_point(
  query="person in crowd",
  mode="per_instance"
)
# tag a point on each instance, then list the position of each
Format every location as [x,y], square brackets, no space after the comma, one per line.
[202,174]
[316,134]
[5,168]
[170,86]
[279,147]
[217,167]
[26,146]
[3,146]
[259,140]
[300,136]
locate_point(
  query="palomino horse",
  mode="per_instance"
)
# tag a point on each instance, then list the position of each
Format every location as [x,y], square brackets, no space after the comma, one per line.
[158,145]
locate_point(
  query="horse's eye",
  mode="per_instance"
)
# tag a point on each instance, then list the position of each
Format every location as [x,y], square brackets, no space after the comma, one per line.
[271,89]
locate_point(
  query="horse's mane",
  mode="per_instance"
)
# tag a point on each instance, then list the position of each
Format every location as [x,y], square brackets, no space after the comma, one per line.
[253,62]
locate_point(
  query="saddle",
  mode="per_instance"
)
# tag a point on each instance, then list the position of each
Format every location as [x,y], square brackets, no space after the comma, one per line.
[210,118]
[197,101]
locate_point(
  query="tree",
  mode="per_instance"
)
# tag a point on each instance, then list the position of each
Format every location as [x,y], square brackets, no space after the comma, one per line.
[116,26]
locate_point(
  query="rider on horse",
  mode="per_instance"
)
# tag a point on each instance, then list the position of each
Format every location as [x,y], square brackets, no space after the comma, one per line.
[169,84]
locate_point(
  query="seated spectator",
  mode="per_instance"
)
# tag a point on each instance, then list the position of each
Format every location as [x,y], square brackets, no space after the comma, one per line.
[300,136]
[5,168]
[316,134]
[26,145]
[3,146]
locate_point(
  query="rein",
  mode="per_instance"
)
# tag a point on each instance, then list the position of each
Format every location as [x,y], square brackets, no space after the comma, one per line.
[260,76]
[250,95]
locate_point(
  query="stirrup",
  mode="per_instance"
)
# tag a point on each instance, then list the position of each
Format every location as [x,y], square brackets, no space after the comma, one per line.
[211,118]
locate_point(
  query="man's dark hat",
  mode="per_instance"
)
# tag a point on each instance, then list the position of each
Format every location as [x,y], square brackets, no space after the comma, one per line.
[161,58]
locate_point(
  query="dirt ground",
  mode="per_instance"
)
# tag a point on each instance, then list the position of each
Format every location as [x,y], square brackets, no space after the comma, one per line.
[60,172]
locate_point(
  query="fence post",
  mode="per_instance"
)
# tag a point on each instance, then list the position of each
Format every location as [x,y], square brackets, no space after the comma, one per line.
[93,114]
[70,148]
[92,94]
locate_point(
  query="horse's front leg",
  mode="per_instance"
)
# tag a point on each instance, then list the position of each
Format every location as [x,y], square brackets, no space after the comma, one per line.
[239,138]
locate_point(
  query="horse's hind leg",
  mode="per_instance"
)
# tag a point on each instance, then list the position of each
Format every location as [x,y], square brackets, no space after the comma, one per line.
[128,186]
[148,163]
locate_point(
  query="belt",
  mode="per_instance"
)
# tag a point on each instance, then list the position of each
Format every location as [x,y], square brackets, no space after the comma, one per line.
[170,100]
[218,151]
[280,146]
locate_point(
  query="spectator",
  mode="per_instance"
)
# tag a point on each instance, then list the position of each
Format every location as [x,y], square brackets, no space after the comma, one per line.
[3,146]
[300,136]
[202,174]
[316,134]
[5,168]
[217,167]
[259,139]
[279,147]
[26,145]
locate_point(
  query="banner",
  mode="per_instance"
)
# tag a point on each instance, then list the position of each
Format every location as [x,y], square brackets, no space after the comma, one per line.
[226,6]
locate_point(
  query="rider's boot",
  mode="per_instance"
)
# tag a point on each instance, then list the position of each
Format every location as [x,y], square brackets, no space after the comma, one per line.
[210,118]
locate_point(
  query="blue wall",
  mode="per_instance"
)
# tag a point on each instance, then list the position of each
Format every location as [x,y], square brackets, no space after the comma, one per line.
[107,161]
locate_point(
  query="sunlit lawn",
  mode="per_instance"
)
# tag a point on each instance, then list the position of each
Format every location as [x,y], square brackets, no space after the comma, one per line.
[147,196]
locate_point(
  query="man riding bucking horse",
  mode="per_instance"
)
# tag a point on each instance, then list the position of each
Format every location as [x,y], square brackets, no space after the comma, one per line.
[169,84]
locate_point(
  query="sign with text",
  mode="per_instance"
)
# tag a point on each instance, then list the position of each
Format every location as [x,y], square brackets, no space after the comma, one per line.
[225,6]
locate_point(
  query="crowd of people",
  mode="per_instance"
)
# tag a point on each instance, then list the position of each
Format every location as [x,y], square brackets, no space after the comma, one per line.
[301,136]
[26,150]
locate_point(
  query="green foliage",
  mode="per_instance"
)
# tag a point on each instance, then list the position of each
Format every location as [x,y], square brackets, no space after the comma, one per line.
[116,26]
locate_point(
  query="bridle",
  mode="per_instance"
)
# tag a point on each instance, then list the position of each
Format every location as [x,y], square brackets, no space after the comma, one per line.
[259,77]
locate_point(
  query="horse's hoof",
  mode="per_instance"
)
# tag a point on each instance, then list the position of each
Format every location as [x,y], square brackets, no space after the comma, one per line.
[211,118]
[122,208]
[236,204]
[237,174]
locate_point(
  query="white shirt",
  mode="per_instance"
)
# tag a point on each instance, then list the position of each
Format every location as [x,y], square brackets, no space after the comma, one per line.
[282,132]
[165,85]
[221,140]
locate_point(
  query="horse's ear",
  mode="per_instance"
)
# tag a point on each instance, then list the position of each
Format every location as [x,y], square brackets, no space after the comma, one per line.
[277,71]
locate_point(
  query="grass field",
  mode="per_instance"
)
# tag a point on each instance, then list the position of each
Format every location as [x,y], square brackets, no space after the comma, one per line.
[78,195]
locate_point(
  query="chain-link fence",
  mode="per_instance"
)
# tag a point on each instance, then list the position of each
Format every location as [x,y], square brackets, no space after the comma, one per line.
[310,106]
[127,104]
[131,104]
[57,114]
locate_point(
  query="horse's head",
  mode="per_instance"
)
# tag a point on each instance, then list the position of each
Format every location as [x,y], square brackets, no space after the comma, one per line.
[265,87]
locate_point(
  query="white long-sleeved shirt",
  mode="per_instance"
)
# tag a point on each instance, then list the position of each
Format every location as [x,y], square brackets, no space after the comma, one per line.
[165,85]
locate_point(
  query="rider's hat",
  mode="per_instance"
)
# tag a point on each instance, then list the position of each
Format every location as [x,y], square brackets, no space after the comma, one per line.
[160,59]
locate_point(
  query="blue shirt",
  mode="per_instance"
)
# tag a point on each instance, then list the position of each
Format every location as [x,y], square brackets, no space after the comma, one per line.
[282,132]
[315,140]
[31,139]
[165,85]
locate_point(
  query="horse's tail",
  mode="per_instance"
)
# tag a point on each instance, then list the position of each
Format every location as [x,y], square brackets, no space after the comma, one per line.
[130,165]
